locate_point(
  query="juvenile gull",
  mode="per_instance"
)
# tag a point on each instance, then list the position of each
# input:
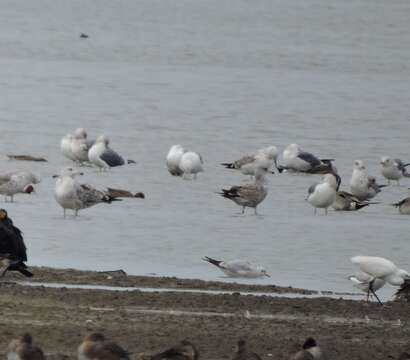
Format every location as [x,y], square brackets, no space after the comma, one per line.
[18,182]
[174,158]
[265,157]
[243,353]
[362,185]
[95,347]
[295,159]
[24,349]
[70,194]
[403,206]
[345,201]
[238,268]
[393,169]
[102,156]
[184,350]
[191,164]
[380,268]
[249,195]
[13,253]
[323,194]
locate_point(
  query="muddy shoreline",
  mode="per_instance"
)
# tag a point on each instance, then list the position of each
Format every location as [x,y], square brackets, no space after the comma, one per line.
[145,322]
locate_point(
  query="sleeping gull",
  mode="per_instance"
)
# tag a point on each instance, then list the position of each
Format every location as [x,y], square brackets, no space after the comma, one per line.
[238,268]
[366,283]
[80,145]
[323,194]
[393,169]
[190,164]
[173,159]
[70,194]
[295,159]
[380,268]
[362,185]
[101,155]
[18,182]
[265,157]
[249,195]
[404,206]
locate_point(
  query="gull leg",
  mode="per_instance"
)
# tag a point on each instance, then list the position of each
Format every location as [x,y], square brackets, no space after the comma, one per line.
[388,182]
[76,212]
[376,297]
[314,211]
[256,213]
[325,211]
[12,198]
[243,209]
[64,213]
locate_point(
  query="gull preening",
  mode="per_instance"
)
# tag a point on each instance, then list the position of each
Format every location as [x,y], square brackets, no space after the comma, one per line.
[380,268]
[184,350]
[238,268]
[182,162]
[310,351]
[247,165]
[393,169]
[403,206]
[96,347]
[70,194]
[362,185]
[173,159]
[249,195]
[24,349]
[295,159]
[80,145]
[102,156]
[18,182]
[323,194]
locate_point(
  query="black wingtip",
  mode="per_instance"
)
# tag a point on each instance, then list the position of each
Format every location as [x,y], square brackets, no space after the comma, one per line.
[131,162]
[228,165]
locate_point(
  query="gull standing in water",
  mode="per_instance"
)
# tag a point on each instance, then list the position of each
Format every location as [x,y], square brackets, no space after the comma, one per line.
[174,158]
[70,194]
[18,182]
[362,185]
[102,156]
[191,164]
[249,195]
[265,157]
[295,159]
[380,268]
[393,169]
[323,194]
[238,268]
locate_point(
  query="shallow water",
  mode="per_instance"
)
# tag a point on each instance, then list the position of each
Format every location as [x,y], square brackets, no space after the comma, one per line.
[222,78]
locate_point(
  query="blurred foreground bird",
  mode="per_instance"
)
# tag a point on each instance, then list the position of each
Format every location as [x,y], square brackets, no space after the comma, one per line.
[184,350]
[24,349]
[310,351]
[95,347]
[243,353]
[13,253]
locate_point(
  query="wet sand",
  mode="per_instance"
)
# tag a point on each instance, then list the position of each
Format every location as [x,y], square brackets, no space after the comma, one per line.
[145,322]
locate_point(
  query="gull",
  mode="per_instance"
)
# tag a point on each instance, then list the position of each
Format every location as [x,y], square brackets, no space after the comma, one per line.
[249,195]
[80,145]
[238,268]
[24,349]
[265,157]
[65,146]
[13,253]
[243,353]
[393,169]
[102,156]
[70,194]
[323,194]
[366,283]
[18,182]
[404,206]
[173,159]
[191,164]
[95,347]
[380,268]
[310,351]
[296,159]
[184,350]
[362,185]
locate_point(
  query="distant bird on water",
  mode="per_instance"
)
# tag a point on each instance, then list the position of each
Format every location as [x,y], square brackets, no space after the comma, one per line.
[184,350]
[13,253]
[249,195]
[238,268]
[95,347]
[323,194]
[243,353]
[24,349]
[393,169]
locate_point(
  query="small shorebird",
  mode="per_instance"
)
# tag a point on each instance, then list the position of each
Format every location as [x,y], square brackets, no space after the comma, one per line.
[184,350]
[95,347]
[393,169]
[310,351]
[24,349]
[323,194]
[249,195]
[238,268]
[242,352]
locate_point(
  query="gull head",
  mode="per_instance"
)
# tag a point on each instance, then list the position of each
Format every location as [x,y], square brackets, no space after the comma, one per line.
[28,189]
[3,215]
[358,165]
[103,139]
[80,133]
[293,148]
[386,161]
[271,152]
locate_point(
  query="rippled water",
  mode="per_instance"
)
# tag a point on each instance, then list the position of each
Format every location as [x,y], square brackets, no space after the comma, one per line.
[222,77]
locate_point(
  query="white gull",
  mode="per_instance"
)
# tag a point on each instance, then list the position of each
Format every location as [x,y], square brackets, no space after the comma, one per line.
[238,268]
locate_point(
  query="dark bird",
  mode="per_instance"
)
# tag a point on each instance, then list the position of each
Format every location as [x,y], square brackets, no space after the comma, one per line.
[84,36]
[185,350]
[12,248]
[26,158]
[242,352]
[119,193]
[95,347]
[23,349]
